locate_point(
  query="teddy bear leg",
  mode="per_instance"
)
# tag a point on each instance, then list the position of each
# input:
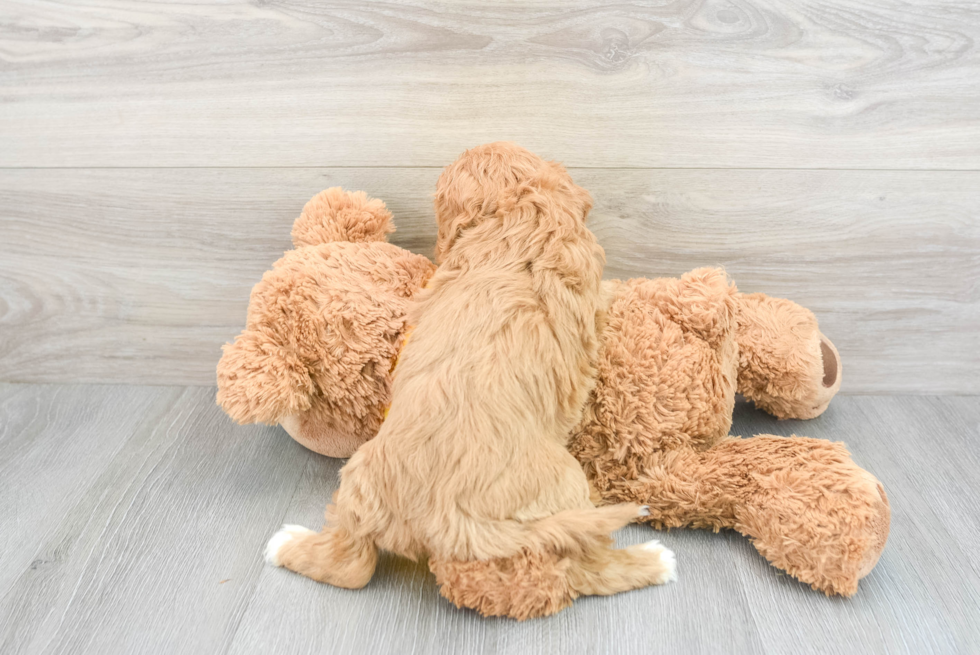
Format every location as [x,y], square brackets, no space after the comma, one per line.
[787,367]
[805,505]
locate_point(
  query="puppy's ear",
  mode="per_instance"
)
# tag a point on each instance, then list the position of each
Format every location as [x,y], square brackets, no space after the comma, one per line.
[583,201]
[575,200]
[454,215]
[536,191]
[557,209]
[548,197]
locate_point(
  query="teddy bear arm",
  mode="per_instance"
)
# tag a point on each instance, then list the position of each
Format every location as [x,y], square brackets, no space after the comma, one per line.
[787,367]
[702,301]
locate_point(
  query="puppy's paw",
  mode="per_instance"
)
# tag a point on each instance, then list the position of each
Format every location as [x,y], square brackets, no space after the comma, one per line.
[643,511]
[666,558]
[280,539]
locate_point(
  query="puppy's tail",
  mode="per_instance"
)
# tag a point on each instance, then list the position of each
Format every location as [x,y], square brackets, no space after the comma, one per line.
[568,532]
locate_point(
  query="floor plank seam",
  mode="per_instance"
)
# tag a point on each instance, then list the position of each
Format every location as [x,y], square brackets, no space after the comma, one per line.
[262,565]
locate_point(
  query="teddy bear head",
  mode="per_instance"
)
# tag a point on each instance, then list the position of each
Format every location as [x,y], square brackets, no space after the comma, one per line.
[324,326]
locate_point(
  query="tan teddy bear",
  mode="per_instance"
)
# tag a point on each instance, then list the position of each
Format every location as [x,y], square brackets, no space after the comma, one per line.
[325,326]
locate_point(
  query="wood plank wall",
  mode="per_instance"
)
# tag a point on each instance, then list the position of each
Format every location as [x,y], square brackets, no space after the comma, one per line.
[153,156]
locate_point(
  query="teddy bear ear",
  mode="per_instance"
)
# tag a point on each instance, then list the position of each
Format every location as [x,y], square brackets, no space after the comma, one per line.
[261,380]
[338,215]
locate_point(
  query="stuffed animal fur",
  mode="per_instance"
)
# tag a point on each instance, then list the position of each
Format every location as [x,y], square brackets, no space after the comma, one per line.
[326,324]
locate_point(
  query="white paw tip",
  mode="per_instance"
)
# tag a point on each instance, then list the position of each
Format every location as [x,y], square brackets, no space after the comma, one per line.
[279,539]
[667,558]
[644,511]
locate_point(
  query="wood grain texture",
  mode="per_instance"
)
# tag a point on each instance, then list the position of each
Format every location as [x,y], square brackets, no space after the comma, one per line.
[55,443]
[159,549]
[140,275]
[691,83]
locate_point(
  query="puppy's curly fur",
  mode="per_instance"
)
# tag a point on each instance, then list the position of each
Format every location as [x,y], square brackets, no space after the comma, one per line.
[470,468]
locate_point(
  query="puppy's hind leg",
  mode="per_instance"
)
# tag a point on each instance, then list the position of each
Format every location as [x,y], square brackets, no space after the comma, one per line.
[333,556]
[526,585]
[603,570]
[539,583]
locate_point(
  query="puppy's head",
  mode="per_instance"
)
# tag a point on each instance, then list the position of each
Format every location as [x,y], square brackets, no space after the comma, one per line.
[494,179]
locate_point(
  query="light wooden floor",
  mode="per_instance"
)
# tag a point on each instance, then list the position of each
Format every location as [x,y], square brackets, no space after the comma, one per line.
[132,519]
